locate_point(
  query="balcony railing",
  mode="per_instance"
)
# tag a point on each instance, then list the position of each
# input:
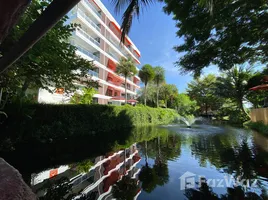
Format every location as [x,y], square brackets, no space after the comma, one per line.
[93,73]
[80,12]
[88,36]
[93,8]
[122,50]
[87,53]
[111,54]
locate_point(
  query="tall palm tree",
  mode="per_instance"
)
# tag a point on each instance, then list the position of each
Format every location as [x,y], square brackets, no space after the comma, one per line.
[159,78]
[133,10]
[126,68]
[146,75]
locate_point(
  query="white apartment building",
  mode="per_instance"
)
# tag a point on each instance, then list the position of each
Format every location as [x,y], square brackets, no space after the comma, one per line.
[98,39]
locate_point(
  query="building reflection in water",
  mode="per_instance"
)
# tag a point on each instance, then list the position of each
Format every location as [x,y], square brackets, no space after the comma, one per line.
[92,179]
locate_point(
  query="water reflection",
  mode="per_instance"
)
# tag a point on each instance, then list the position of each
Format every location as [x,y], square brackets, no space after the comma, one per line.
[149,161]
[89,179]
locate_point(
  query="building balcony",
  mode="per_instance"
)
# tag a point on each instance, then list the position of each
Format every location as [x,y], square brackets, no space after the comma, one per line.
[86,52]
[92,8]
[114,56]
[82,32]
[83,15]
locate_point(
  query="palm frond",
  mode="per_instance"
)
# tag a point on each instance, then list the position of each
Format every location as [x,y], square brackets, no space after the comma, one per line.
[119,5]
[128,17]
[132,10]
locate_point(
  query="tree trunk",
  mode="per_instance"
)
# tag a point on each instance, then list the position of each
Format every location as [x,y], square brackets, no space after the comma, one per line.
[242,108]
[157,93]
[158,159]
[145,93]
[125,90]
[206,107]
[24,88]
[146,154]
[2,101]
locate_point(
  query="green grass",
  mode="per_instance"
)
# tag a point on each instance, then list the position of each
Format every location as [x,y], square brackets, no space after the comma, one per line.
[257,126]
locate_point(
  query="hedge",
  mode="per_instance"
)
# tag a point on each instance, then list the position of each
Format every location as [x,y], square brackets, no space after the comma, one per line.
[43,121]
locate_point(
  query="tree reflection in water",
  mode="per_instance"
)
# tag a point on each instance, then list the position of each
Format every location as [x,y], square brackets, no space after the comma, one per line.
[233,153]
[204,192]
[125,189]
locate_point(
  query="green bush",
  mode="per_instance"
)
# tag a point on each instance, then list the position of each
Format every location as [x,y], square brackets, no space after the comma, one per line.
[257,126]
[43,122]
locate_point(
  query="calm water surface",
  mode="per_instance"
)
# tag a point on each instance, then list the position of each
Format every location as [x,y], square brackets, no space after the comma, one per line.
[168,162]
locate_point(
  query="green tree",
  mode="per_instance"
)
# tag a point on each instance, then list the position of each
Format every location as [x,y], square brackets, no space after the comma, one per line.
[168,92]
[50,62]
[158,79]
[230,36]
[184,104]
[126,68]
[146,75]
[202,90]
[150,95]
[85,98]
[233,85]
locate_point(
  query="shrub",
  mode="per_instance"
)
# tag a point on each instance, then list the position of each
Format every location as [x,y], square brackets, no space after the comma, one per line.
[257,126]
[57,122]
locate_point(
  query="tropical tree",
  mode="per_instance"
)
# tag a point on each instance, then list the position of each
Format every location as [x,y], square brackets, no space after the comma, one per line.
[133,8]
[168,92]
[146,75]
[50,62]
[227,37]
[158,79]
[85,98]
[184,105]
[150,95]
[202,90]
[126,68]
[233,85]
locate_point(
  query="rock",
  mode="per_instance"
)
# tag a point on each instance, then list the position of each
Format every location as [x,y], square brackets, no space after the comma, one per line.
[12,186]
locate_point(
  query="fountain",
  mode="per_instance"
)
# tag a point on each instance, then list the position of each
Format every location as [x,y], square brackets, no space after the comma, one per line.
[189,120]
[200,128]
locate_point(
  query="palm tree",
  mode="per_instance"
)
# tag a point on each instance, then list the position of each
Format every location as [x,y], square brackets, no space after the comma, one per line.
[158,79]
[146,75]
[126,68]
[133,10]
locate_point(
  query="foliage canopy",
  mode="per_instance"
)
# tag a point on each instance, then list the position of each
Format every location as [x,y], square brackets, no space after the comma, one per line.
[234,34]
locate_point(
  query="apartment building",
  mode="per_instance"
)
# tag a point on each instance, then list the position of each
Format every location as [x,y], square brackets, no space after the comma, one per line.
[98,39]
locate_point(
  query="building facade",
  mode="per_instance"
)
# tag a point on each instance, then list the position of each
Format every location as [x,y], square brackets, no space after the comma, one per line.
[98,40]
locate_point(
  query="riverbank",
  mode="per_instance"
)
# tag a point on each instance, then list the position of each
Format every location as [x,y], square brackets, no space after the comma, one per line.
[257,126]
[43,123]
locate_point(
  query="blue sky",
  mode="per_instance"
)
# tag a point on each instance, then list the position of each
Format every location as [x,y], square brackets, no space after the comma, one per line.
[155,36]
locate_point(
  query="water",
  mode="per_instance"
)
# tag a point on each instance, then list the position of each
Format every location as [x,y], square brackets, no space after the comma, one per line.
[150,163]
[189,121]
